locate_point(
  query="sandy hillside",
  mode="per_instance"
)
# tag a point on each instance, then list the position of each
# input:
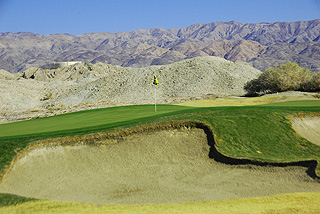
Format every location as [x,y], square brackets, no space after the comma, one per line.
[163,166]
[81,86]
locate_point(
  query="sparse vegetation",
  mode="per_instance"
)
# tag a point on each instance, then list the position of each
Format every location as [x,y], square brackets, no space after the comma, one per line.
[285,77]
[47,96]
[89,65]
[317,96]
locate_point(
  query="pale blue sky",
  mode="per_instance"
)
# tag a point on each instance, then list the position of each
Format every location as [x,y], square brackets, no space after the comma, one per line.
[84,16]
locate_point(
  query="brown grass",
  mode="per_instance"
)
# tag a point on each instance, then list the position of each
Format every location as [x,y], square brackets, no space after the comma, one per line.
[302,115]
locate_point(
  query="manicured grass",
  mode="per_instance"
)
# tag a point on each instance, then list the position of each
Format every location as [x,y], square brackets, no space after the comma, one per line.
[304,203]
[85,119]
[300,103]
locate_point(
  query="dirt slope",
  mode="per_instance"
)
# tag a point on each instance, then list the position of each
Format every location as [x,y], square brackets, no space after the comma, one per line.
[164,166]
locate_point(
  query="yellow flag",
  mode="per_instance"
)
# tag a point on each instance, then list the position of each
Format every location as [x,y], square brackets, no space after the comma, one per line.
[155,81]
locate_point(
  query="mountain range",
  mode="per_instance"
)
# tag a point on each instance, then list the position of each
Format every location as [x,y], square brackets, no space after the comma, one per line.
[262,45]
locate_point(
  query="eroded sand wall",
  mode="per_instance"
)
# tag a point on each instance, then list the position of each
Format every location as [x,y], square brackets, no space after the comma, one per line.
[161,166]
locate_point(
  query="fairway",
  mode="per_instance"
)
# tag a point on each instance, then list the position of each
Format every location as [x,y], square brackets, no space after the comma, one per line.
[300,103]
[108,117]
[281,99]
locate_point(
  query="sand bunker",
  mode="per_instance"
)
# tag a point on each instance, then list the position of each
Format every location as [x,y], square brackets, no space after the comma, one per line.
[308,127]
[162,166]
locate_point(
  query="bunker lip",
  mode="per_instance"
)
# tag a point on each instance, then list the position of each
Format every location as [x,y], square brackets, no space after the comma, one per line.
[156,163]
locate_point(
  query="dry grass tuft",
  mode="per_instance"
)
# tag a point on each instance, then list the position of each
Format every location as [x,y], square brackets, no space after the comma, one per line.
[302,115]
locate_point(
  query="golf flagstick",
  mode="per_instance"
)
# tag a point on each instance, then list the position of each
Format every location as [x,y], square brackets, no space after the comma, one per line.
[155,98]
[155,83]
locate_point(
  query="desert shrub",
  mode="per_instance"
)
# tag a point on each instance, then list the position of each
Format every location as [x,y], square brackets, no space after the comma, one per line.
[314,83]
[285,77]
[253,87]
[47,96]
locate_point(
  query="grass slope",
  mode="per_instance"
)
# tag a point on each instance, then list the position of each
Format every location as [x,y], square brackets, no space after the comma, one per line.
[258,133]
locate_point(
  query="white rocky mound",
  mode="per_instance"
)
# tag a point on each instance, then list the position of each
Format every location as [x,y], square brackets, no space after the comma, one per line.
[86,84]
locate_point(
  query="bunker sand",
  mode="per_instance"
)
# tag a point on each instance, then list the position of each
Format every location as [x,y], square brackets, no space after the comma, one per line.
[308,127]
[159,166]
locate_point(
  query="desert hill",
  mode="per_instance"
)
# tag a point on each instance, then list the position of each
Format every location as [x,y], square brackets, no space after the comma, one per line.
[97,85]
[255,43]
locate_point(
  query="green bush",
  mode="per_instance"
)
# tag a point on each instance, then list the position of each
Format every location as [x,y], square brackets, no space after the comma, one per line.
[314,84]
[285,77]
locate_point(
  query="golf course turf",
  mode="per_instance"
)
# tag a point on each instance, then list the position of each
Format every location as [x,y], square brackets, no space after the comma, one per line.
[257,135]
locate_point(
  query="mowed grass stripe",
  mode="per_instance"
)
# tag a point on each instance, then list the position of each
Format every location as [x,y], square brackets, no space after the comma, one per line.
[300,103]
[85,119]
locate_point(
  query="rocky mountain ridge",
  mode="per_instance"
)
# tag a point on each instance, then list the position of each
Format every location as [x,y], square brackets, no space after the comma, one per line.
[261,44]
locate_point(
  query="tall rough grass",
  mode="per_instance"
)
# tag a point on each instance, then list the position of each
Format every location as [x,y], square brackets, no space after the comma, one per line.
[285,77]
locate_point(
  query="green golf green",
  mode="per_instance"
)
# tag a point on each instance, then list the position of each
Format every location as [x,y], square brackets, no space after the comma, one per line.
[85,119]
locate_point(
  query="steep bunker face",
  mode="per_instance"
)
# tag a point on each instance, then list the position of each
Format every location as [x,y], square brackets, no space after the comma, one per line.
[163,166]
[308,127]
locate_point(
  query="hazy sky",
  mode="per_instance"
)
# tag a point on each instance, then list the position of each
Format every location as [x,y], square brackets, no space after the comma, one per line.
[84,16]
